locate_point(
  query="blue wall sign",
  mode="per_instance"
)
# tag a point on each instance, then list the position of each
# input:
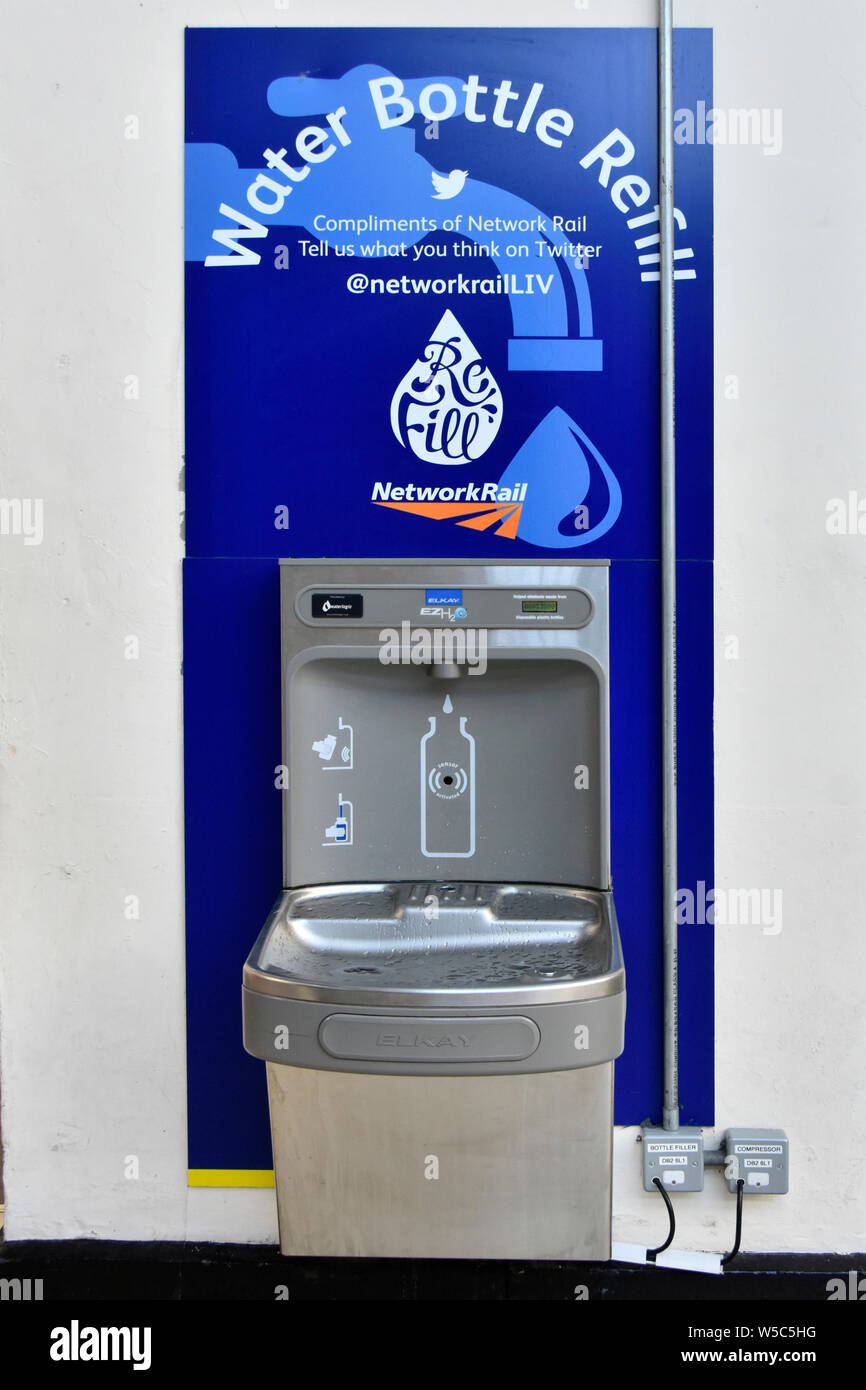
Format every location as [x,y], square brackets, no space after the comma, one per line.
[422,319]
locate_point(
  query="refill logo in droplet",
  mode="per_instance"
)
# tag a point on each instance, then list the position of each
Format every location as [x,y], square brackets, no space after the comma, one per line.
[448,407]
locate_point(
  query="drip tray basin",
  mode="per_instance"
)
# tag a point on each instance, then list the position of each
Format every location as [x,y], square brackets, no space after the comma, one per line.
[437,978]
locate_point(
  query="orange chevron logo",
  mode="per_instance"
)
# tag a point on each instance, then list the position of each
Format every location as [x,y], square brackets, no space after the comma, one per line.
[478,516]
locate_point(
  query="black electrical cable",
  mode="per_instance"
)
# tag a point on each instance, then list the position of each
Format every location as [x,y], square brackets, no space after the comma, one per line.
[651,1254]
[732,1254]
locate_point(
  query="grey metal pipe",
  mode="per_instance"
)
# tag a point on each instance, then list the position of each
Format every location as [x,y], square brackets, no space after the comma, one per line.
[671,1105]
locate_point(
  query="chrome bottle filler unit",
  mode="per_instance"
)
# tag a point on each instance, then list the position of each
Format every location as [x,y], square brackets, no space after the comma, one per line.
[439,992]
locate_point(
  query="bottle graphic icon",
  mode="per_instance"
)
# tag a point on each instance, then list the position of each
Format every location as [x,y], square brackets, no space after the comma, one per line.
[340,833]
[447,787]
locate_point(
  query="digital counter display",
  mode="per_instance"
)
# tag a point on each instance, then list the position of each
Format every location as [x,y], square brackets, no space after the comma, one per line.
[539,605]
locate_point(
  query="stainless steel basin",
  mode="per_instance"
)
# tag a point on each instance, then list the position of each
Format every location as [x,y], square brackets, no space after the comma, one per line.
[429,945]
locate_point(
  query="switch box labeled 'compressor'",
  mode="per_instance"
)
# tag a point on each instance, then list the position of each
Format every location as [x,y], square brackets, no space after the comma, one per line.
[759,1157]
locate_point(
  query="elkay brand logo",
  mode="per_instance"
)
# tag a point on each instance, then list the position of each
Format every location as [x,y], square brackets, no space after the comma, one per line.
[454,1040]
[443,596]
[446,604]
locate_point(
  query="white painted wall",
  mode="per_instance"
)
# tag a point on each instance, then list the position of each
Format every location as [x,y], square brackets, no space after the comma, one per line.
[92,1007]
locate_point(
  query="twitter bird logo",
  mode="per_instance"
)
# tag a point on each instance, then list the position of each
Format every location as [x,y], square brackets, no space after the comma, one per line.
[449,185]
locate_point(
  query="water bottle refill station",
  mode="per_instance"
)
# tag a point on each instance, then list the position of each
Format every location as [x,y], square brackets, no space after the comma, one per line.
[439,992]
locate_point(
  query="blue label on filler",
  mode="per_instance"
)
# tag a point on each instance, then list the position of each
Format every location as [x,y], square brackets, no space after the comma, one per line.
[439,596]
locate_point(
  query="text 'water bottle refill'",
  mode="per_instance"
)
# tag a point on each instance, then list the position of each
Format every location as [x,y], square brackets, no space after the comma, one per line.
[439,989]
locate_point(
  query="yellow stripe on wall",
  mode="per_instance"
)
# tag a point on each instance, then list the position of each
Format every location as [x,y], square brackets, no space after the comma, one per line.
[230,1177]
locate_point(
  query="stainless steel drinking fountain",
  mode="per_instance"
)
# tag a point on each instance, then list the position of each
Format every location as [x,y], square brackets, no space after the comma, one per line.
[439,991]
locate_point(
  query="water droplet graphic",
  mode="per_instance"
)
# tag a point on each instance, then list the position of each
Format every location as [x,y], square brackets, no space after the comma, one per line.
[448,705]
[448,407]
[564,470]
